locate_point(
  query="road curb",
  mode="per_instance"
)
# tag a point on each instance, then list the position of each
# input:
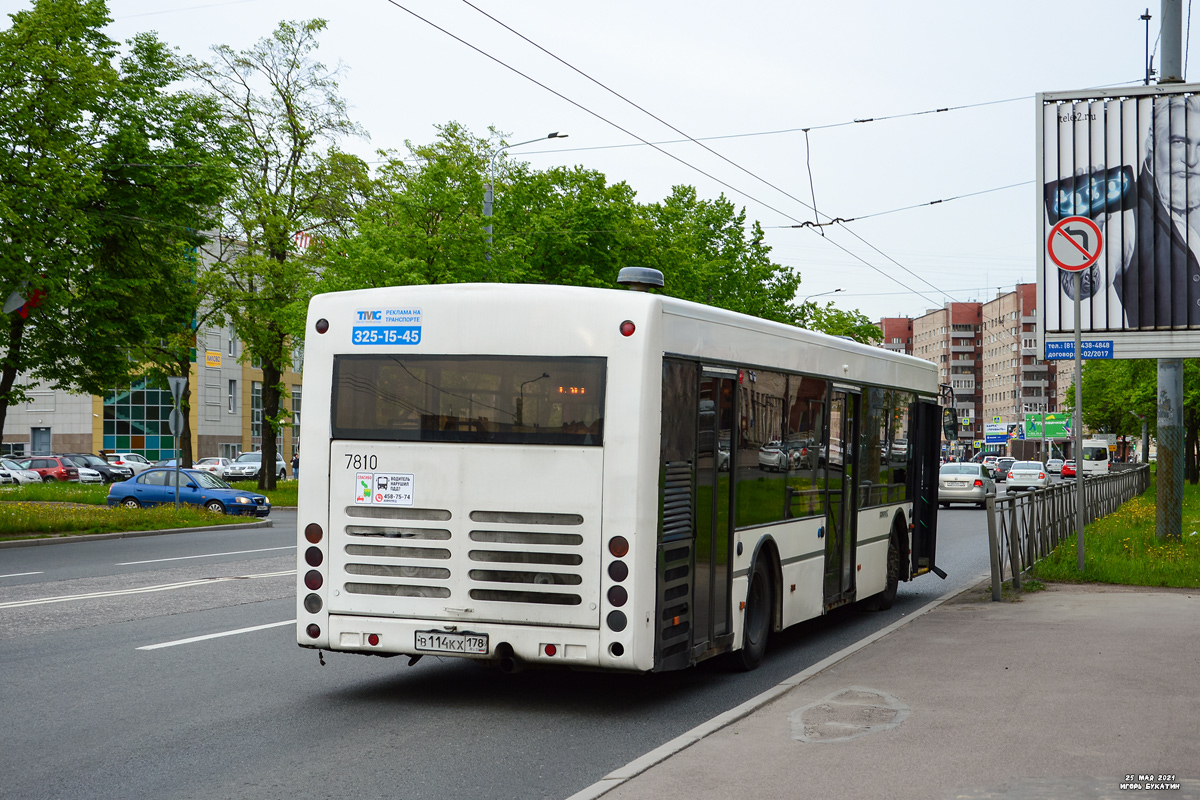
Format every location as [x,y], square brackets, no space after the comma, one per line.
[87,537]
[639,765]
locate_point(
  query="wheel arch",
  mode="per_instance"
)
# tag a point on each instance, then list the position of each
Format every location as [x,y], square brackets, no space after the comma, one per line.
[900,529]
[768,550]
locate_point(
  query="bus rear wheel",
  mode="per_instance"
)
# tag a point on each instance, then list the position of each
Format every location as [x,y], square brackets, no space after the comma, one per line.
[756,626]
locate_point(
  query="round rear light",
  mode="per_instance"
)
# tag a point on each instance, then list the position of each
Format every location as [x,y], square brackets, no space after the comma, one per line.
[618,596]
[313,556]
[551,650]
[322,325]
[313,630]
[373,639]
[312,603]
[616,621]
[313,532]
[313,580]
[618,571]
[618,546]
[627,328]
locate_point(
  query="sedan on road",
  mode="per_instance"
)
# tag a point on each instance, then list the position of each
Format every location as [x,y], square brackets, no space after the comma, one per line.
[1002,465]
[1027,475]
[1054,466]
[965,483]
[1068,469]
[155,487]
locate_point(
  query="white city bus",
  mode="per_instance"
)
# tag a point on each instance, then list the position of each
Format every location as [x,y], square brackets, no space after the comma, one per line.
[562,476]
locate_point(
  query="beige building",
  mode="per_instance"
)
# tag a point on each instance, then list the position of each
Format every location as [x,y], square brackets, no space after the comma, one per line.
[949,337]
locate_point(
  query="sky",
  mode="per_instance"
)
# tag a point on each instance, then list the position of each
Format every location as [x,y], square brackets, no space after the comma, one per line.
[746,80]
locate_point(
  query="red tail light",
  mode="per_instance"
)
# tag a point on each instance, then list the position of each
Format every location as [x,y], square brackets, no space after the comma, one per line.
[1041,476]
[978,482]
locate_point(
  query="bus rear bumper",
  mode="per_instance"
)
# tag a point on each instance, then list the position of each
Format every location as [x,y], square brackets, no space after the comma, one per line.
[535,646]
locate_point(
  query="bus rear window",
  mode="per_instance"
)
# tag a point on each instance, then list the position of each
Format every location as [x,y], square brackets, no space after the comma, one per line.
[492,399]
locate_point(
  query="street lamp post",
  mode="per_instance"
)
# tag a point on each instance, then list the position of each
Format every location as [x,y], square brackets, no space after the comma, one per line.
[820,294]
[804,302]
[488,189]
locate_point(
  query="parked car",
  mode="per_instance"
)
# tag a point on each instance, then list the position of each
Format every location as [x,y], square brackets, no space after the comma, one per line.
[156,486]
[18,473]
[87,475]
[1027,475]
[217,466]
[773,455]
[1068,469]
[108,472]
[1002,465]
[136,462]
[246,466]
[53,468]
[1054,465]
[965,483]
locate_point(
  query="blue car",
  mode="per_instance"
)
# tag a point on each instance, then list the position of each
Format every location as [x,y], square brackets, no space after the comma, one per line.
[157,487]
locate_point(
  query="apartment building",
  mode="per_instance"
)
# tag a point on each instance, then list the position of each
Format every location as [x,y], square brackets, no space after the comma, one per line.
[1016,380]
[949,337]
[897,334]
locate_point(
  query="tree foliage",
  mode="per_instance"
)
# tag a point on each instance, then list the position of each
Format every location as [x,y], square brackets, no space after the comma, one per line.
[422,223]
[105,177]
[290,179]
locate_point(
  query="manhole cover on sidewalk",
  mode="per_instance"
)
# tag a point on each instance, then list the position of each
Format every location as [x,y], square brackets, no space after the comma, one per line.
[847,714]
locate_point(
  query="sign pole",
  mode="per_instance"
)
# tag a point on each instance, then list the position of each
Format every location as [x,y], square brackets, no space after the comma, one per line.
[1078,277]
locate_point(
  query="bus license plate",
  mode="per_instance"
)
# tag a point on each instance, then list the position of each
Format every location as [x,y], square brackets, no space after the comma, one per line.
[442,642]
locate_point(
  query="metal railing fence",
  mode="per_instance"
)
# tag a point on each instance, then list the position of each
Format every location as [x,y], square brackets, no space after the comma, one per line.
[1025,527]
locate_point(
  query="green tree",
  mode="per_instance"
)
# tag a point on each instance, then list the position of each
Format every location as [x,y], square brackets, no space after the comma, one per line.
[104,178]
[290,179]
[836,322]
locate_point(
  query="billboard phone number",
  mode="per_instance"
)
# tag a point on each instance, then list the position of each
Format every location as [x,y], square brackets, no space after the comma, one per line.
[372,334]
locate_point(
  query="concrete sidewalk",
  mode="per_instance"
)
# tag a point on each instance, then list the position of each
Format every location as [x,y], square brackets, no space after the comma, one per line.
[1068,693]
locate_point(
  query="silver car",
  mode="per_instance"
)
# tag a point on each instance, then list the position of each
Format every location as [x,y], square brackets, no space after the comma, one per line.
[1027,475]
[18,473]
[966,482]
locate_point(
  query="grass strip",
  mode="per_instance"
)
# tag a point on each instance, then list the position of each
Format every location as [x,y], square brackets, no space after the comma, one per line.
[35,520]
[1122,548]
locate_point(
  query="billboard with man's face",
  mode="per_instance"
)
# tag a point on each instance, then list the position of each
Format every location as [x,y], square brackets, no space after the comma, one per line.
[1129,161]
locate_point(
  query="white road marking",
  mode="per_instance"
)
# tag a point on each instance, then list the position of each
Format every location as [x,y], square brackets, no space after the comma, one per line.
[19,574]
[205,555]
[218,635]
[142,590]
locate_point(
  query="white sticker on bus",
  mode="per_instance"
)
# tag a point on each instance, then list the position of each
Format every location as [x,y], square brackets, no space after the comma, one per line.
[383,489]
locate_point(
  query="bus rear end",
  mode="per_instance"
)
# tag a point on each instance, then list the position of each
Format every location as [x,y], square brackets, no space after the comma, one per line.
[455,482]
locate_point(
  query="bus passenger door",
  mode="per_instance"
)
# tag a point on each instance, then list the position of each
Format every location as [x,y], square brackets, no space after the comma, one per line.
[716,468]
[842,499]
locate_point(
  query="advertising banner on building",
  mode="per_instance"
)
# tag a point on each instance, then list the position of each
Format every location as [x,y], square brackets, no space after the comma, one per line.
[1117,178]
[995,433]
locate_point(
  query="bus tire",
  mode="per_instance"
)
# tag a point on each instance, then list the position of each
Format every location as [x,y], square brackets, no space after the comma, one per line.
[887,598]
[756,625]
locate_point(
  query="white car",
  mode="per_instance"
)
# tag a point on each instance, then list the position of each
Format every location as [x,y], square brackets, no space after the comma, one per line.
[214,465]
[1027,475]
[246,466]
[89,475]
[137,463]
[18,473]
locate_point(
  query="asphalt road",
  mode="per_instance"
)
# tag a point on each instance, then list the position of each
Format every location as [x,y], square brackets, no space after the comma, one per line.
[166,667]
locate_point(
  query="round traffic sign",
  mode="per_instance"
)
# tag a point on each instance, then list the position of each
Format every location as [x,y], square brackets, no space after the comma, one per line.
[1075,243]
